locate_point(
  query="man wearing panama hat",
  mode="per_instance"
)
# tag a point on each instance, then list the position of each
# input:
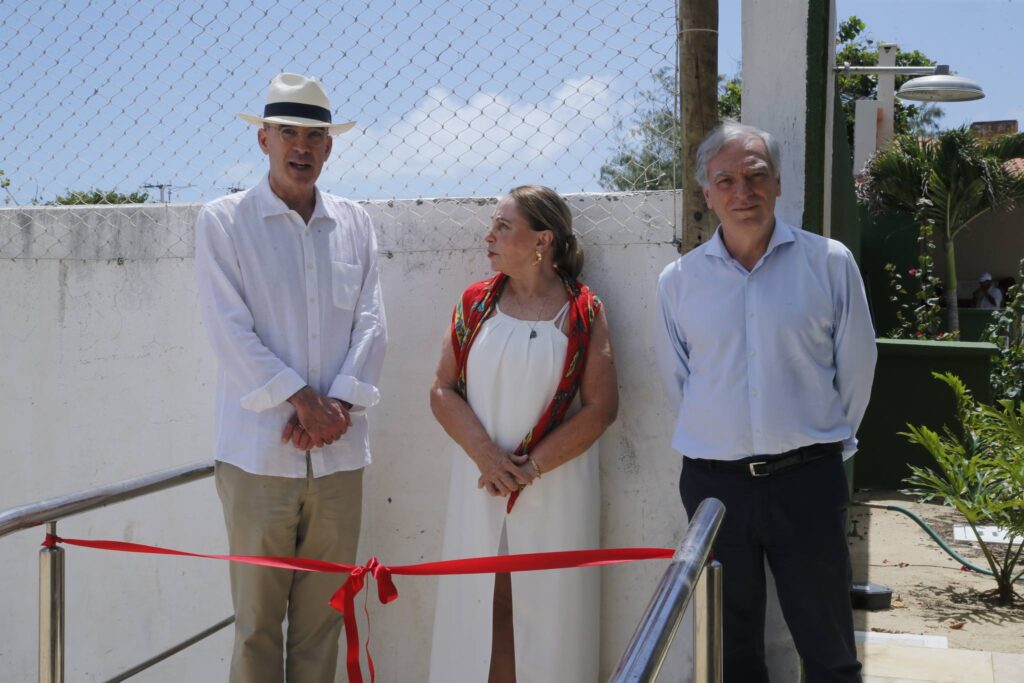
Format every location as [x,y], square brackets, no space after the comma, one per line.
[291,301]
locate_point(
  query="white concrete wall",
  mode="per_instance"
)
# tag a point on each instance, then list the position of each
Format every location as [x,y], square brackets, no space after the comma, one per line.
[107,375]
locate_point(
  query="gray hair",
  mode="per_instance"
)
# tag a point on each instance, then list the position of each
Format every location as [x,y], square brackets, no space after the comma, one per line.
[727,132]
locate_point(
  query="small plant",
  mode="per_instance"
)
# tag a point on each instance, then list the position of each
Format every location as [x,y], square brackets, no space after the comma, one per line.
[919,310]
[1007,332]
[980,474]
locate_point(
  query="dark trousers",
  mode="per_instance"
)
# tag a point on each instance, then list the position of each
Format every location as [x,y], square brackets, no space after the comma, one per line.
[796,519]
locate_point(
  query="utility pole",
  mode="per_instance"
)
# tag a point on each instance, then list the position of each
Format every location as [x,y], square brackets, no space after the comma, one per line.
[698,107]
[165,189]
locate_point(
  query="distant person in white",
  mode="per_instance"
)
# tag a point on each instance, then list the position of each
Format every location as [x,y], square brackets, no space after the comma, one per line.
[987,295]
[291,301]
[767,353]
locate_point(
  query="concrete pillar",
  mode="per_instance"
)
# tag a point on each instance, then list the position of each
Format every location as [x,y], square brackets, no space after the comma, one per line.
[886,96]
[774,88]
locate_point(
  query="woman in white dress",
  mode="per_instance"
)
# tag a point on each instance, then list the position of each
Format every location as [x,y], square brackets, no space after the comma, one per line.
[525,386]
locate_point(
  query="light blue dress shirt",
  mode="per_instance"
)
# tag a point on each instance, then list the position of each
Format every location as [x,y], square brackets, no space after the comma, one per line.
[765,361]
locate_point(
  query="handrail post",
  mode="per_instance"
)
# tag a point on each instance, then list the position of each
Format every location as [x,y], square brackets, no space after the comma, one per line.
[648,647]
[51,611]
[707,625]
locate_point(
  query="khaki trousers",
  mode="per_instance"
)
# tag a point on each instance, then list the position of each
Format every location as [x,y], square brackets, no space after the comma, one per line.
[280,516]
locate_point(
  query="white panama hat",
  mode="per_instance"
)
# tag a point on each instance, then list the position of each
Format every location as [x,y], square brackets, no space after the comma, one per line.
[295,100]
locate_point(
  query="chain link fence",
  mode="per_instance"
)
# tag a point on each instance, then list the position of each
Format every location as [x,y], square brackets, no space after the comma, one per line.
[118,101]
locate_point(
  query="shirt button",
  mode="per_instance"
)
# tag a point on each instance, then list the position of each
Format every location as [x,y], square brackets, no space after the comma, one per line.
[309,266]
[753,353]
[313,336]
[753,392]
[750,315]
[312,300]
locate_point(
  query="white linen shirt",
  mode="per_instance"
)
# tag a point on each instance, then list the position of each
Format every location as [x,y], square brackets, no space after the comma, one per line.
[286,304]
[765,361]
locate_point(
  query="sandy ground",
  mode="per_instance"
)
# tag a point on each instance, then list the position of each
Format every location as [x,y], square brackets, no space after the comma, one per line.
[931,594]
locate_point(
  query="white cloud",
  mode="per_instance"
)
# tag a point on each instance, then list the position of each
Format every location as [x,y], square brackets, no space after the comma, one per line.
[444,138]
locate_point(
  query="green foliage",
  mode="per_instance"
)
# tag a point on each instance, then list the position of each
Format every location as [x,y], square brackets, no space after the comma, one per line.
[730,98]
[5,183]
[854,46]
[649,158]
[1007,332]
[919,309]
[946,182]
[100,197]
[980,473]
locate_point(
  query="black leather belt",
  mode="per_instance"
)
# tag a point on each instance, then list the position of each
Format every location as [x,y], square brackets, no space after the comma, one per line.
[764,465]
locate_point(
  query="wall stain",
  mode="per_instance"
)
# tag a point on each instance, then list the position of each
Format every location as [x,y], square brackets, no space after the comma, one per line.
[627,455]
[62,291]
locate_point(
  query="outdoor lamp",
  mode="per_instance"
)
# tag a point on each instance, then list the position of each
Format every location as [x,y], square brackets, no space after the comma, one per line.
[935,84]
[941,87]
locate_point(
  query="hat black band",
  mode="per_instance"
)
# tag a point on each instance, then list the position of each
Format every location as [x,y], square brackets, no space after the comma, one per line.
[306,111]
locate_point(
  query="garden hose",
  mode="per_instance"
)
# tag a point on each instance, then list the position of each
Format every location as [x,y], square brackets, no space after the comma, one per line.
[931,532]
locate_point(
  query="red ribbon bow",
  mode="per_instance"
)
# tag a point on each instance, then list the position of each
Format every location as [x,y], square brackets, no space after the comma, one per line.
[344,598]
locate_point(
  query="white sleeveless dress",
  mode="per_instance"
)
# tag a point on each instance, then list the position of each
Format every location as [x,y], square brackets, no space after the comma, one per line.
[511,379]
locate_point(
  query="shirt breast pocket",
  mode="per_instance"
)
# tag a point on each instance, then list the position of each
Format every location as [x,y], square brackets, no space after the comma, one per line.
[346,281]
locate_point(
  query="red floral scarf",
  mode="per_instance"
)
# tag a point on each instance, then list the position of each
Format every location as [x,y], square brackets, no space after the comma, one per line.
[475,307]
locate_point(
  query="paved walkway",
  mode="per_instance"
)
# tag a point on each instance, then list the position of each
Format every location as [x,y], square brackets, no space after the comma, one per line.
[897,663]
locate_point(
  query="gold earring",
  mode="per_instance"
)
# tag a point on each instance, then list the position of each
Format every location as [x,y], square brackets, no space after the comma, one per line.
[538,258]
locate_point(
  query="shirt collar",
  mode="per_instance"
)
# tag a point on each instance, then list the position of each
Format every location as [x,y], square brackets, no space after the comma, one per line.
[271,205]
[782,234]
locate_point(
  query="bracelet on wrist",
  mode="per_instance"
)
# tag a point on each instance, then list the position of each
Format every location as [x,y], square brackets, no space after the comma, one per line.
[534,465]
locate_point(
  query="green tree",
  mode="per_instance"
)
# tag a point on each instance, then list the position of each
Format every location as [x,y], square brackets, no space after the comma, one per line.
[648,157]
[730,94]
[854,46]
[946,182]
[100,197]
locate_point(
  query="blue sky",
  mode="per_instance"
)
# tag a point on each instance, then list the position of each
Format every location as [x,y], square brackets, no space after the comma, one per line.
[451,98]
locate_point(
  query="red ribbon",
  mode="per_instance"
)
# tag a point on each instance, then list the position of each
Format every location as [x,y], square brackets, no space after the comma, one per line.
[343,599]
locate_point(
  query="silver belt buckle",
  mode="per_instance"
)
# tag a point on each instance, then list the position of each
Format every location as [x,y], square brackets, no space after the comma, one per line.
[753,471]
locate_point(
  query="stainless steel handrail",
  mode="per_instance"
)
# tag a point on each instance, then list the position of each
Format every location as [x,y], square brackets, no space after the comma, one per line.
[156,659]
[51,558]
[34,514]
[648,648]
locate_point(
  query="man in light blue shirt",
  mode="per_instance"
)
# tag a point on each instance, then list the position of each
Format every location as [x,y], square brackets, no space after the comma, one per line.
[767,352]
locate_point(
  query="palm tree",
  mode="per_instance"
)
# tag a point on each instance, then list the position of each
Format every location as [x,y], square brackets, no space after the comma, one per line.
[947,182]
